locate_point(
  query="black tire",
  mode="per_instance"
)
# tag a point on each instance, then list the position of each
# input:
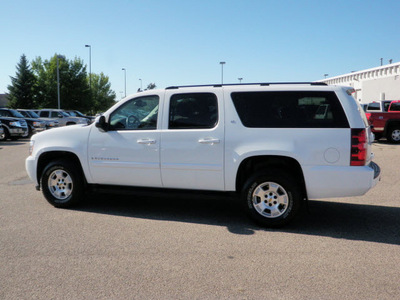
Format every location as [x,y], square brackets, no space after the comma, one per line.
[378,136]
[272,198]
[5,135]
[62,183]
[393,135]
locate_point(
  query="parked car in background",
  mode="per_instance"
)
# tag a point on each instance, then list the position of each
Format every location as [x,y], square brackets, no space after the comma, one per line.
[77,113]
[377,106]
[28,113]
[63,118]
[34,124]
[14,128]
[386,123]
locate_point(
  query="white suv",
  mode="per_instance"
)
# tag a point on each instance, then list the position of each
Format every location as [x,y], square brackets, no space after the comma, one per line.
[275,145]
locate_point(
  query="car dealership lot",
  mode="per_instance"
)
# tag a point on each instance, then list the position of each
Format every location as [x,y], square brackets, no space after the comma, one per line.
[117,247]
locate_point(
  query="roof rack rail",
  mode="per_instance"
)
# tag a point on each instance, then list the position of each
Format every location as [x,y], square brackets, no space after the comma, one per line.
[234,84]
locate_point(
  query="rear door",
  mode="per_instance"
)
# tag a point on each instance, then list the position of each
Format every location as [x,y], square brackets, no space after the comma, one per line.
[192,142]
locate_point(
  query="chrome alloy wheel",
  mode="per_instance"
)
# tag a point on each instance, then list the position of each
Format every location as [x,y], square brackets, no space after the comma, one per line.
[60,184]
[270,199]
[396,135]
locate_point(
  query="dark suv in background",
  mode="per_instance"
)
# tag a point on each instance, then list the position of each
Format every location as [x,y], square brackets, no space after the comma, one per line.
[13,127]
[34,125]
[30,114]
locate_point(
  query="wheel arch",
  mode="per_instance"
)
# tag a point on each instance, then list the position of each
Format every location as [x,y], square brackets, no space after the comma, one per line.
[47,157]
[392,123]
[256,164]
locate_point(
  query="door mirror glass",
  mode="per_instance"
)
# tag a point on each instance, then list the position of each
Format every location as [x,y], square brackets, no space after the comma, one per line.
[102,124]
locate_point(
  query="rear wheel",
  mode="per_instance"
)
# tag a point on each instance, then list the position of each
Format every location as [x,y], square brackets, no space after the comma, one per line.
[62,183]
[393,135]
[272,198]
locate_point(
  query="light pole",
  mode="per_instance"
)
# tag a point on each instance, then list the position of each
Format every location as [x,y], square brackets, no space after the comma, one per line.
[58,82]
[141,84]
[326,75]
[222,71]
[240,79]
[90,66]
[123,69]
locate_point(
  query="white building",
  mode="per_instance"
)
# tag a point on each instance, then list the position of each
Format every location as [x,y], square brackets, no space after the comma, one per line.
[380,83]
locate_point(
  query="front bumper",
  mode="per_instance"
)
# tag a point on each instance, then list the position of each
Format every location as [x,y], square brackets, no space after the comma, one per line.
[20,131]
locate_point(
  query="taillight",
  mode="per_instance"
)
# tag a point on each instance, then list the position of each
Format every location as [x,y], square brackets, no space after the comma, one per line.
[359,145]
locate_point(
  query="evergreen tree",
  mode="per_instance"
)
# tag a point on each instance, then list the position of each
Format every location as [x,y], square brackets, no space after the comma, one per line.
[22,88]
[151,86]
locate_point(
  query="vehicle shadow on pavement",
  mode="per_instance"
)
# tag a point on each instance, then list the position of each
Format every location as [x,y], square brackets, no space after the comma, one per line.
[11,143]
[321,218]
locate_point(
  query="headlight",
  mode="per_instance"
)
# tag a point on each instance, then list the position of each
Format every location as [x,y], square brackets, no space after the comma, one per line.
[16,124]
[36,124]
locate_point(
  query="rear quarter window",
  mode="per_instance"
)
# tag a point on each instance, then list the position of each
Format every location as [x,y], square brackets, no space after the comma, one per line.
[289,109]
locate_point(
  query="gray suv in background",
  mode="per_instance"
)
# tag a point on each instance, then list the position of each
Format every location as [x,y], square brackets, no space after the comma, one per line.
[63,118]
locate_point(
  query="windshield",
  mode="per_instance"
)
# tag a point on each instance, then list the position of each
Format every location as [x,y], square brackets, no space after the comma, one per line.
[16,114]
[64,113]
[32,114]
[24,113]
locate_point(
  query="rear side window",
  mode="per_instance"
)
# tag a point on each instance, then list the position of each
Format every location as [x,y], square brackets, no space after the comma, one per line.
[44,114]
[193,111]
[374,106]
[290,109]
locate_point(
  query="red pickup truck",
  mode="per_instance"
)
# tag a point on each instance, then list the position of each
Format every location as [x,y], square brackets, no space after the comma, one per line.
[386,124]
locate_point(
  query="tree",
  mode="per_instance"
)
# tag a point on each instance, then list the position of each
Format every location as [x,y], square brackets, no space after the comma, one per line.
[74,88]
[102,95]
[22,88]
[151,86]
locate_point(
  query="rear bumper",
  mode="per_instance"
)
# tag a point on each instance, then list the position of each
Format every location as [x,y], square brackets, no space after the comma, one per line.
[340,181]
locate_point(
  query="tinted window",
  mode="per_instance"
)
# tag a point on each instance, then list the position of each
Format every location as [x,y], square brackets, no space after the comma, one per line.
[395,106]
[44,114]
[136,114]
[374,106]
[5,113]
[193,111]
[290,109]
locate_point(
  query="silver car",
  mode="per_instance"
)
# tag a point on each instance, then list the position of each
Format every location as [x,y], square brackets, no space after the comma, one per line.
[63,118]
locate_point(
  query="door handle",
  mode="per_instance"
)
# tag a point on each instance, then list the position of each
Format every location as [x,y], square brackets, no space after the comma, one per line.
[211,141]
[146,141]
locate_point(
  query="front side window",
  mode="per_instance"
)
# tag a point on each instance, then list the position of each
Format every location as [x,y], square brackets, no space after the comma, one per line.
[136,114]
[193,111]
[290,109]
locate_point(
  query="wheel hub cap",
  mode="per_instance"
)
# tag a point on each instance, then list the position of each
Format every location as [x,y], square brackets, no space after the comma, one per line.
[60,184]
[270,199]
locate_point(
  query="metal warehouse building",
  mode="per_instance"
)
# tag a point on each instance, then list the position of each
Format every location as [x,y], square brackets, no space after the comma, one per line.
[380,83]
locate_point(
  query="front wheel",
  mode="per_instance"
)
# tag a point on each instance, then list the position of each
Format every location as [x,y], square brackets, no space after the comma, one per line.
[62,183]
[272,199]
[393,135]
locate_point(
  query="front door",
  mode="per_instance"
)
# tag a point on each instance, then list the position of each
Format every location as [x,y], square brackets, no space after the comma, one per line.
[128,153]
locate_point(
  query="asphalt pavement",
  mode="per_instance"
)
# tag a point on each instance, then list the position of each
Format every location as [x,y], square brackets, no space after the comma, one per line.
[126,247]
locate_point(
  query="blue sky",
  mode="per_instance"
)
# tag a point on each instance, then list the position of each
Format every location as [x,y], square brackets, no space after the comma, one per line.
[182,42]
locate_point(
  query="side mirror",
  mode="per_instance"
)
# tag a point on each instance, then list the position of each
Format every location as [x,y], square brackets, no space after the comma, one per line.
[102,124]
